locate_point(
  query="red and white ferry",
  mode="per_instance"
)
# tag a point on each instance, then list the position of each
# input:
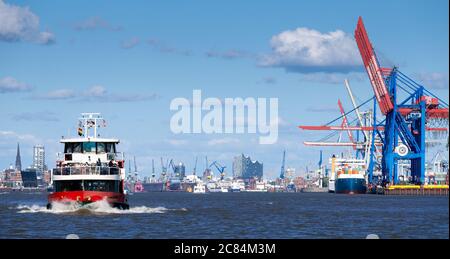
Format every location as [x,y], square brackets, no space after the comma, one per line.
[90,169]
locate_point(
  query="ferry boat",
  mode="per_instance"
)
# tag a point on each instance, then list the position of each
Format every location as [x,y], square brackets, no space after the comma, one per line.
[90,169]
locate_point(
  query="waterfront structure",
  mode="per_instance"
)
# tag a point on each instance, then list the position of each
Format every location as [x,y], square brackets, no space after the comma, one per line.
[180,171]
[12,178]
[29,177]
[290,173]
[18,159]
[39,158]
[245,168]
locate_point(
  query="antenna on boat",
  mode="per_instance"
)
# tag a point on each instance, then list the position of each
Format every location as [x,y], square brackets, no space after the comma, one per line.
[90,120]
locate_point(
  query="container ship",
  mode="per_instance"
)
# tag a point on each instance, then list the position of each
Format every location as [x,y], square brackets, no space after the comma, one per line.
[350,181]
[153,187]
[348,176]
[89,169]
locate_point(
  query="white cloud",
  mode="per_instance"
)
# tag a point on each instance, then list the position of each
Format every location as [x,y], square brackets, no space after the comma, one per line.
[47,116]
[177,142]
[223,141]
[326,109]
[268,80]
[95,22]
[433,80]
[60,94]
[228,54]
[9,84]
[305,50]
[19,23]
[96,91]
[130,43]
[165,48]
[333,78]
[11,135]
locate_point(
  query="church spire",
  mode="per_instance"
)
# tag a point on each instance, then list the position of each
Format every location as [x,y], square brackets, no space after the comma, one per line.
[18,160]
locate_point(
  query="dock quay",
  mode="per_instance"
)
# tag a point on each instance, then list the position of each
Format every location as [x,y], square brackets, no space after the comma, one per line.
[420,190]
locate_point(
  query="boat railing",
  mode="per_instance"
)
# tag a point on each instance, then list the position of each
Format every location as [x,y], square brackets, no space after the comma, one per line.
[61,156]
[86,170]
[115,156]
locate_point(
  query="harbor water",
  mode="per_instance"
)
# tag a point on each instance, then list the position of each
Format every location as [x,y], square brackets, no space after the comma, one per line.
[230,215]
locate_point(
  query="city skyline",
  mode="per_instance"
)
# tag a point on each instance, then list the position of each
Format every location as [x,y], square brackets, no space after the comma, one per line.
[128,61]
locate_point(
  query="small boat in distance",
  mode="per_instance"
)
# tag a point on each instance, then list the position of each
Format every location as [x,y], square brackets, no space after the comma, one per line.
[90,169]
[199,188]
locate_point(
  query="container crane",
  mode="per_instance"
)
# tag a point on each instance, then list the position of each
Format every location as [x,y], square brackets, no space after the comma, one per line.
[163,168]
[405,120]
[153,169]
[172,165]
[195,166]
[282,165]
[219,168]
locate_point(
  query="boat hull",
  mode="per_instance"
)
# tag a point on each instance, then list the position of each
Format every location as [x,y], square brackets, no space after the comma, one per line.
[350,186]
[116,200]
[153,187]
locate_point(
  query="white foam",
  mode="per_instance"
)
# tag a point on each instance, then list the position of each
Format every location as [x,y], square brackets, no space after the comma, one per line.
[99,207]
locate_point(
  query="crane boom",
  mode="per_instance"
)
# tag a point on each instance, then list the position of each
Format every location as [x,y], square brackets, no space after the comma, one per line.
[349,90]
[345,121]
[373,69]
[195,166]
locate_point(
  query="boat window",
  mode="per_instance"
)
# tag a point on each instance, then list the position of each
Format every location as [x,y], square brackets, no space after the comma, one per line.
[67,186]
[72,148]
[68,148]
[89,147]
[101,186]
[110,148]
[100,147]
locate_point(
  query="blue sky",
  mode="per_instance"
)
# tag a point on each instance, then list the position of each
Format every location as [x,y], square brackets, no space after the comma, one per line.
[129,60]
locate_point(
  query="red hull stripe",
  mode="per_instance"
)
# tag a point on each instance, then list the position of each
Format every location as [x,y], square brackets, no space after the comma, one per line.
[86,196]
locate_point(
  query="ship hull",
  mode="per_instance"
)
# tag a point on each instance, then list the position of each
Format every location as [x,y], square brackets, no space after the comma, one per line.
[153,187]
[350,186]
[116,200]
[174,186]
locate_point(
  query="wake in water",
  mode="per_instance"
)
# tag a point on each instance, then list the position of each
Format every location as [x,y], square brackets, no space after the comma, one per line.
[99,207]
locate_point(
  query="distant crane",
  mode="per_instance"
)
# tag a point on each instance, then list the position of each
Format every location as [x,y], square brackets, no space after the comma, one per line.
[153,168]
[195,166]
[320,160]
[219,168]
[207,172]
[129,167]
[172,165]
[163,168]
[282,165]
